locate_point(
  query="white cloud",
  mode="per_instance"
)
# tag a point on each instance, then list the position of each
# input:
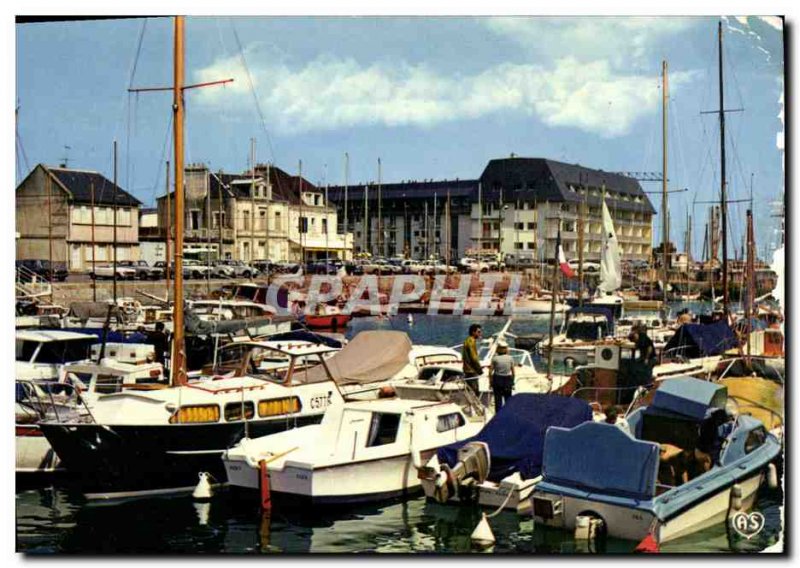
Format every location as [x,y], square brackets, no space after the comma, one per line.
[329,93]
[623,41]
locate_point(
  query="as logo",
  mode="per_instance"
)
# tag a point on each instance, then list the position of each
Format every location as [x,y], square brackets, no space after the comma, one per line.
[748,525]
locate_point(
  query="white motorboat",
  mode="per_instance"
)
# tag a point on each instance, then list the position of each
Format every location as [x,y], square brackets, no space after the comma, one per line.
[361,451]
[156,441]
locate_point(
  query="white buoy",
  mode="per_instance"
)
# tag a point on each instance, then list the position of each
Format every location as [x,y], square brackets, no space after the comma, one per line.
[772,476]
[203,488]
[410,319]
[482,537]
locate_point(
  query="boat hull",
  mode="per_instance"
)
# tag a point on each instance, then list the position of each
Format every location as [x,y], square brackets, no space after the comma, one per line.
[34,455]
[120,461]
[634,523]
[334,321]
[345,483]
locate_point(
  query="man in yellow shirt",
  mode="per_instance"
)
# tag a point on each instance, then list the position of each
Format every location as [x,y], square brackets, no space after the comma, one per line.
[469,357]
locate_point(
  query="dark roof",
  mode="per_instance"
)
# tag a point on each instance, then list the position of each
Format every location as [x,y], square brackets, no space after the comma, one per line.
[79,184]
[284,186]
[407,190]
[524,179]
[549,180]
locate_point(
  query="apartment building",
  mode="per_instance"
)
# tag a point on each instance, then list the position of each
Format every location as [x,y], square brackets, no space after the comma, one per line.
[66,210]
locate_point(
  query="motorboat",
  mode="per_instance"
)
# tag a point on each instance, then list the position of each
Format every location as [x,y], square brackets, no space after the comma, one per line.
[501,465]
[362,451]
[41,354]
[326,317]
[158,440]
[72,397]
[687,463]
[584,328]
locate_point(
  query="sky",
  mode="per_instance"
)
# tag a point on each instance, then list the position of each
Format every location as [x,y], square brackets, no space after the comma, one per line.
[432,97]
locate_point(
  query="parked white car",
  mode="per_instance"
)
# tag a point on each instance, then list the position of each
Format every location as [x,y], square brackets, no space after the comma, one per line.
[107,271]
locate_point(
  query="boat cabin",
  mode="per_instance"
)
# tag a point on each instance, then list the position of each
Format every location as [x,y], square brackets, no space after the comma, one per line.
[40,354]
[589,324]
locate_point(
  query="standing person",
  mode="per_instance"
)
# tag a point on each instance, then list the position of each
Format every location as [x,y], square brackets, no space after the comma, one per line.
[469,357]
[501,375]
[159,341]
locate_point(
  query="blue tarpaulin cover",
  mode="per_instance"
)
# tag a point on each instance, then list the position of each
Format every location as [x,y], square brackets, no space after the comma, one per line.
[600,457]
[690,397]
[516,434]
[701,340]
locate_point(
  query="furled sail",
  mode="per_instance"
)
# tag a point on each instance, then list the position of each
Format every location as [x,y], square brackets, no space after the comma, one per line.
[610,261]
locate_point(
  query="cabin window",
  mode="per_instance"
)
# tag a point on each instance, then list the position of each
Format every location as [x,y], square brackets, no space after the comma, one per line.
[233,411]
[279,406]
[383,429]
[755,439]
[108,384]
[196,414]
[451,421]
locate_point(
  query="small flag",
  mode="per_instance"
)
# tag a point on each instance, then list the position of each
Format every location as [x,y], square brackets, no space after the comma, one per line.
[562,260]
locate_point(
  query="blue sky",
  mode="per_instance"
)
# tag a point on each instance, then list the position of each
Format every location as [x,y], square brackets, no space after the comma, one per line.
[433,97]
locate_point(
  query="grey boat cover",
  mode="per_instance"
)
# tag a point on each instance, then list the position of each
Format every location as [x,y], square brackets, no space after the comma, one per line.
[85,310]
[371,356]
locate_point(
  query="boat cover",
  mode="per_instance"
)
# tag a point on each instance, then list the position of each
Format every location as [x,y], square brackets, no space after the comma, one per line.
[601,458]
[371,356]
[702,340]
[690,397]
[593,310]
[516,434]
[305,335]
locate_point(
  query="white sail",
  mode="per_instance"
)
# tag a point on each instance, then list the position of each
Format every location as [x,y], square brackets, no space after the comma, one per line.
[778,267]
[610,261]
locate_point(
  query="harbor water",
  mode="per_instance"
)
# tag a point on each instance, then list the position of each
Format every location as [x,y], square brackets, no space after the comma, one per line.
[56,520]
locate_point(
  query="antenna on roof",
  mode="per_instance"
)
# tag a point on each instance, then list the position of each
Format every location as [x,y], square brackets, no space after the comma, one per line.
[65,159]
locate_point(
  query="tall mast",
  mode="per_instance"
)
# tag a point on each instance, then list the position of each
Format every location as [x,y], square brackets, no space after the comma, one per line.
[207,182]
[94,280]
[380,212]
[433,229]
[266,223]
[346,168]
[114,260]
[723,183]
[480,219]
[179,354]
[750,279]
[48,184]
[303,227]
[581,231]
[252,199]
[365,224]
[447,227]
[664,204]
[169,229]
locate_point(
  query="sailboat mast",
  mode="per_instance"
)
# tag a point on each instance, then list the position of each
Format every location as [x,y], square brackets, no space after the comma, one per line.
[723,189]
[179,355]
[664,204]
[750,278]
[581,232]
[94,280]
[346,168]
[169,232]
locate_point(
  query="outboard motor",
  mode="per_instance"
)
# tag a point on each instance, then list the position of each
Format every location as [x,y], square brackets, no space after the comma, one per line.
[461,481]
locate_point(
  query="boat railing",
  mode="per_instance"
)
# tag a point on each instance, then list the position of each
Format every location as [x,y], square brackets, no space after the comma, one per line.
[677,354]
[596,390]
[47,407]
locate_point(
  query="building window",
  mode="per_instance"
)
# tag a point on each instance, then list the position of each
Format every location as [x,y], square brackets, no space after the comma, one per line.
[519,226]
[518,246]
[124,217]
[262,219]
[303,225]
[532,226]
[531,246]
[325,226]
[194,219]
[278,224]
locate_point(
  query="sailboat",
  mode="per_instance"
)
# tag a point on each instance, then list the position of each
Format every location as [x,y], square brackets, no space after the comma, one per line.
[157,441]
[610,268]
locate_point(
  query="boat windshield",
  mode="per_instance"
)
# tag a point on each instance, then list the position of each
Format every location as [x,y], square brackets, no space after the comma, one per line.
[248,292]
[587,330]
[55,352]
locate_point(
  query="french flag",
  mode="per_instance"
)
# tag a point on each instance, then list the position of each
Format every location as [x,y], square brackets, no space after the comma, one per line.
[562,260]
